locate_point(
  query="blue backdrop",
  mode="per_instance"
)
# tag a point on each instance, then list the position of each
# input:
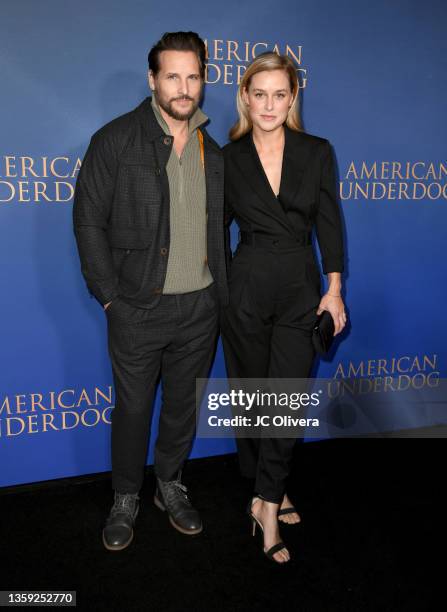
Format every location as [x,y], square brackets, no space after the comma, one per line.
[373,83]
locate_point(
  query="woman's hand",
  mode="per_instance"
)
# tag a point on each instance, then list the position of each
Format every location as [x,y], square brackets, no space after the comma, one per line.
[334,304]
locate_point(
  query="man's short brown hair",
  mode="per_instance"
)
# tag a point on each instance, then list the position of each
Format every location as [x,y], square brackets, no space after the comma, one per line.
[178,41]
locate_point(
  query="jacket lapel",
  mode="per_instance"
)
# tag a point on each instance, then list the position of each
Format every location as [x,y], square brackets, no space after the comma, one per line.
[296,157]
[253,172]
[213,162]
[214,172]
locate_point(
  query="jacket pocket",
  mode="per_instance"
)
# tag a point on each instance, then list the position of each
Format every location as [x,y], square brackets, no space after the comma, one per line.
[139,185]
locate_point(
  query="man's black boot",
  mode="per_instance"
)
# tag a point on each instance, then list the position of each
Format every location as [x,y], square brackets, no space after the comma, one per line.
[172,496]
[118,531]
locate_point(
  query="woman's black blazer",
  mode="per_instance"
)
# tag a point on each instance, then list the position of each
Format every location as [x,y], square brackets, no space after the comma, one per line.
[307,196]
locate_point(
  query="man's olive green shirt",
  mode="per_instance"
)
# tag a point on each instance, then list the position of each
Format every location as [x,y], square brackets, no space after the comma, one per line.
[187,261]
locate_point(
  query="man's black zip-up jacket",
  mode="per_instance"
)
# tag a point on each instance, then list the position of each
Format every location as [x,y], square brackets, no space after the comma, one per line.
[121,210]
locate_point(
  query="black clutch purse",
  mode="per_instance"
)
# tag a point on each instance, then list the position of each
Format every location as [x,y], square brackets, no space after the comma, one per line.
[323,332]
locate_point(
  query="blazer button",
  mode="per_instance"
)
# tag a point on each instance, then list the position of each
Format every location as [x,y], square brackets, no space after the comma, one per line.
[157,290]
[163,250]
[157,171]
[167,140]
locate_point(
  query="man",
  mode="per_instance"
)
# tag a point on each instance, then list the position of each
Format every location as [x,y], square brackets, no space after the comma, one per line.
[148,220]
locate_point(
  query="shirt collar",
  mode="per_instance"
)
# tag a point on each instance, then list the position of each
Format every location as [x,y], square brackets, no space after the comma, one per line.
[198,119]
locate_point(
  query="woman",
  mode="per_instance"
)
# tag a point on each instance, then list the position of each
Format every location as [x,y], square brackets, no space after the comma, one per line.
[279,185]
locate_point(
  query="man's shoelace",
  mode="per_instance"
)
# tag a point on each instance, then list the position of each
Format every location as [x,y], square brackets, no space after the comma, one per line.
[174,490]
[124,503]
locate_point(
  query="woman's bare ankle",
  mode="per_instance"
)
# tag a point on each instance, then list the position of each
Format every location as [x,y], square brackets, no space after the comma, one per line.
[266,508]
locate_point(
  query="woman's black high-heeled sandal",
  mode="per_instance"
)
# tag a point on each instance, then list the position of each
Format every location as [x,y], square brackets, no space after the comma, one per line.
[273,549]
[289,510]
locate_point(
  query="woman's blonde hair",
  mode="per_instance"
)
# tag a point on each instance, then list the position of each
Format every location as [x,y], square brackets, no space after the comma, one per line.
[266,61]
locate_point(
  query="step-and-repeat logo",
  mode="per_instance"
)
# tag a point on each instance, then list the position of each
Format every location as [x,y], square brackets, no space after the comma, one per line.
[227,60]
[386,374]
[66,409]
[394,180]
[37,180]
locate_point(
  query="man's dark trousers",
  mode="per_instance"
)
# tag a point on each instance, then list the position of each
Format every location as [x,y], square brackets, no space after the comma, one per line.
[176,339]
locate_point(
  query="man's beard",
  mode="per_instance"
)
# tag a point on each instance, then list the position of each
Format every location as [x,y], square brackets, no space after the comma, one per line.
[168,108]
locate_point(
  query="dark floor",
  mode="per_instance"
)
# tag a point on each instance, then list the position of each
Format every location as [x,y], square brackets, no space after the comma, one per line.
[367,540]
